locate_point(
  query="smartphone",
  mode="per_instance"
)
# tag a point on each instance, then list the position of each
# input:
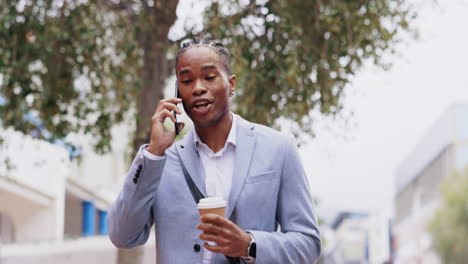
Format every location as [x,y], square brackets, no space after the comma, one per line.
[176,124]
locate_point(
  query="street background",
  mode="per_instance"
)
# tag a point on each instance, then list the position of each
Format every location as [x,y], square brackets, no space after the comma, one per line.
[387,162]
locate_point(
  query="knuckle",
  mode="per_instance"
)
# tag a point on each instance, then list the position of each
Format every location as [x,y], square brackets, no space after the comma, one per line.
[156,117]
[211,229]
[223,242]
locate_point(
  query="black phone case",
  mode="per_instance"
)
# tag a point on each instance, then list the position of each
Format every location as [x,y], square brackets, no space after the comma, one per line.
[176,124]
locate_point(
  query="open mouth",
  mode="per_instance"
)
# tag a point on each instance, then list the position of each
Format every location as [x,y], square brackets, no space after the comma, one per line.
[201,107]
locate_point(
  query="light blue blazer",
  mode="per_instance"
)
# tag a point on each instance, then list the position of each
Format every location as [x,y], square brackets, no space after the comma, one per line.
[269,197]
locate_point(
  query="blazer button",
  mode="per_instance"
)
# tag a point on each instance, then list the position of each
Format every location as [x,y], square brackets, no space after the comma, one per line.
[197,248]
[135,180]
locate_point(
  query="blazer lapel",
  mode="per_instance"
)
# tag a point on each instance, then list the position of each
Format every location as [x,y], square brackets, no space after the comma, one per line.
[191,159]
[245,147]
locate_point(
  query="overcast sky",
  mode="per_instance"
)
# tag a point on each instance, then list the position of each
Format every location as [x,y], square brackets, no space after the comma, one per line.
[353,169]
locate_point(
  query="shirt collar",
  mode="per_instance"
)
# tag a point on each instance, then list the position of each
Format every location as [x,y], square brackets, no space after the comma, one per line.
[232,137]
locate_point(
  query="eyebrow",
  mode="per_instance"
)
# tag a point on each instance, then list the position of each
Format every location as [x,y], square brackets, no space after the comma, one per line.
[204,68]
[209,67]
[183,71]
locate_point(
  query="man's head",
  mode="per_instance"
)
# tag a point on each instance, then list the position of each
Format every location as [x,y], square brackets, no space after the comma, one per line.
[204,80]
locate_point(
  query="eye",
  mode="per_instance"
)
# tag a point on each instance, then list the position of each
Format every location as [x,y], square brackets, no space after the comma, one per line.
[187,81]
[210,78]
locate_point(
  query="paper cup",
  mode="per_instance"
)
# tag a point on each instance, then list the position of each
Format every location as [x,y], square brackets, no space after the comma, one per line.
[212,205]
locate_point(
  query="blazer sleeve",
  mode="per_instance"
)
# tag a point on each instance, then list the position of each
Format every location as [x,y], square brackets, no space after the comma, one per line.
[130,217]
[299,239]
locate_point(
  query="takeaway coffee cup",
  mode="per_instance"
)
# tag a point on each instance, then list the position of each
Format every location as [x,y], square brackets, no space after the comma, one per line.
[213,205]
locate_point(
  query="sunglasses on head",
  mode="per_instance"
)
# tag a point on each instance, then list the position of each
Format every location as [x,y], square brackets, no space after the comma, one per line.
[195,40]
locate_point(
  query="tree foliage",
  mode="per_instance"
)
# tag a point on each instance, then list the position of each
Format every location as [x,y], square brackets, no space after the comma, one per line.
[70,66]
[295,56]
[449,227]
[45,47]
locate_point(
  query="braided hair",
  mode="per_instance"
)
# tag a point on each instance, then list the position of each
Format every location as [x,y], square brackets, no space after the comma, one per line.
[208,42]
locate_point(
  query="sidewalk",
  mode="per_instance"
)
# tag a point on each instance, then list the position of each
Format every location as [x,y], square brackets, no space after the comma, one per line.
[89,250]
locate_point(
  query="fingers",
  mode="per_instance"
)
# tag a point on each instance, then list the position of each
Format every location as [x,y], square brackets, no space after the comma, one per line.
[173,100]
[211,229]
[229,238]
[166,104]
[217,229]
[161,136]
[217,220]
[217,248]
[164,108]
[170,104]
[163,114]
[220,241]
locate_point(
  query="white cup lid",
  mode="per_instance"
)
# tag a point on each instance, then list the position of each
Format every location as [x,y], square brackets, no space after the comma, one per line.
[211,202]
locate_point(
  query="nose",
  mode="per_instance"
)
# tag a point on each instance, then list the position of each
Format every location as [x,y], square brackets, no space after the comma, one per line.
[198,89]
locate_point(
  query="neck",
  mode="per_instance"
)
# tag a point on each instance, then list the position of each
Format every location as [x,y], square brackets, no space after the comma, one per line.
[215,136]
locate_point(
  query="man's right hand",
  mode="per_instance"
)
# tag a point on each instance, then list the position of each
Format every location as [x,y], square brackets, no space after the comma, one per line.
[162,137]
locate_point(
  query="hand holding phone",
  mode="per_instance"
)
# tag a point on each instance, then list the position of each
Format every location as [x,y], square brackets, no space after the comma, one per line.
[161,136]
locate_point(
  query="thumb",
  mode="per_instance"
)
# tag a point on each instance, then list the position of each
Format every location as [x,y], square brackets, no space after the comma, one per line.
[181,126]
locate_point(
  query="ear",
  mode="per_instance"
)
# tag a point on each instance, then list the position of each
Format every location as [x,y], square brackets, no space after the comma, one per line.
[232,83]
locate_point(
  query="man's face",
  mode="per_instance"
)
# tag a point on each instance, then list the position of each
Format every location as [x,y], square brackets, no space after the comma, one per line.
[204,85]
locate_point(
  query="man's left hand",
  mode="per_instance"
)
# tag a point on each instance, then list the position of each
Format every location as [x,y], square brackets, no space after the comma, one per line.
[229,238]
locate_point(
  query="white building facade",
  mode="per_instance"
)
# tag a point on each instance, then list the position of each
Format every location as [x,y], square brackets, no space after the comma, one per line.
[53,209]
[443,150]
[32,177]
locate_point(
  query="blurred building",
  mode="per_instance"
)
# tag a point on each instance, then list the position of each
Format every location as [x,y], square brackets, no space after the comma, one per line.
[53,208]
[32,180]
[380,238]
[359,239]
[441,151]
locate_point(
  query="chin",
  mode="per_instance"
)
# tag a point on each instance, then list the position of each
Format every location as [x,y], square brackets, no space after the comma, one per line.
[208,120]
[203,123]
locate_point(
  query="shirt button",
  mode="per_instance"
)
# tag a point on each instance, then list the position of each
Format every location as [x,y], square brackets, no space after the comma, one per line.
[197,248]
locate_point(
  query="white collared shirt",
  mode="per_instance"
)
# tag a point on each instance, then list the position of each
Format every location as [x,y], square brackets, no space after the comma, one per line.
[219,168]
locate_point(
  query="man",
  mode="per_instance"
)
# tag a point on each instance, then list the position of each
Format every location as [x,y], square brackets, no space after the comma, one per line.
[254,168]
